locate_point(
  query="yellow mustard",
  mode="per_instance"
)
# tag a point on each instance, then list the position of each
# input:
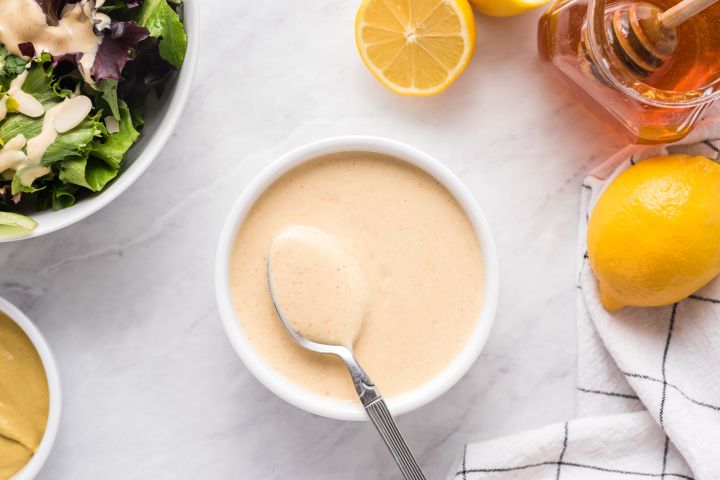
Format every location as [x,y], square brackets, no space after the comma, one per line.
[24,398]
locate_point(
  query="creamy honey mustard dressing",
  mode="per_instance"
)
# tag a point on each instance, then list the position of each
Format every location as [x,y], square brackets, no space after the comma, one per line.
[24,398]
[23,21]
[318,286]
[419,256]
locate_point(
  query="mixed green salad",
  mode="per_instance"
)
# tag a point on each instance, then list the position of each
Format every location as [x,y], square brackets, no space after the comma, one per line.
[140,46]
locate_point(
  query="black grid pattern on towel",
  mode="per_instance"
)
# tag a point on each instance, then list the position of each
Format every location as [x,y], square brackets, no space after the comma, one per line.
[613,473]
[663,368]
[712,146]
[665,455]
[627,396]
[664,381]
[675,388]
[564,449]
[705,299]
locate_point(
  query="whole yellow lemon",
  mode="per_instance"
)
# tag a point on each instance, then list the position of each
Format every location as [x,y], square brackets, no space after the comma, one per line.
[654,234]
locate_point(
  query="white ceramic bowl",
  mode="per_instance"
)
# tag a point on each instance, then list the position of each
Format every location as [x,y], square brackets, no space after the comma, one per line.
[304,398]
[160,121]
[31,469]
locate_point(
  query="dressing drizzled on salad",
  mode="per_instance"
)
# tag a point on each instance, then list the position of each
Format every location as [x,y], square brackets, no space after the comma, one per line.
[74,78]
[23,21]
[60,118]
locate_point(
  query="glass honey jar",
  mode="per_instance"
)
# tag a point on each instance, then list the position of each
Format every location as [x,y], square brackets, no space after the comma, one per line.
[580,41]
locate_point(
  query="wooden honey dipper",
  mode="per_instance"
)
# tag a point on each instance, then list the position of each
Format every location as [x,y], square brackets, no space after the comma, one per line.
[645,37]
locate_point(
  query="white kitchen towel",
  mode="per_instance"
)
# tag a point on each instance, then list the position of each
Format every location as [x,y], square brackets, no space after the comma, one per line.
[648,391]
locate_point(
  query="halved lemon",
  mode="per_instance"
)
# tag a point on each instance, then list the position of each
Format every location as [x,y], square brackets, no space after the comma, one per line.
[415,47]
[506,8]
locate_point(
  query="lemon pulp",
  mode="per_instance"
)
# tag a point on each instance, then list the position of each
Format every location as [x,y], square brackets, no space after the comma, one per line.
[415,47]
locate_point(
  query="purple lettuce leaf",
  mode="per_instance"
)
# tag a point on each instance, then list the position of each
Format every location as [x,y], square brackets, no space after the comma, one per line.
[117,48]
[147,72]
[28,50]
[73,58]
[53,9]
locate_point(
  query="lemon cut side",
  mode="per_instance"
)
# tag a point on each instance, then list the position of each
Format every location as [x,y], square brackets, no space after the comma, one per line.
[415,47]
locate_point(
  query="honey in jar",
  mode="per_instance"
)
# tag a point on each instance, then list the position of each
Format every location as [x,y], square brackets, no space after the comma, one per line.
[576,38]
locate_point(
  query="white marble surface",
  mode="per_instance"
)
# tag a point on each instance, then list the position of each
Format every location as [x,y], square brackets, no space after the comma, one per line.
[153,388]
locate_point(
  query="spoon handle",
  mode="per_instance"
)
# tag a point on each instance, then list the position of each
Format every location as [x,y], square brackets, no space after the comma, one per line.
[380,417]
[386,426]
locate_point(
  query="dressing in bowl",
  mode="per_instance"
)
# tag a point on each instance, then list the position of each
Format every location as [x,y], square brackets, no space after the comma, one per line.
[419,264]
[422,251]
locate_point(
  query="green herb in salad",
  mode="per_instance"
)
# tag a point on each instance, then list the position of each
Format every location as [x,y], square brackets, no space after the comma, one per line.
[71,108]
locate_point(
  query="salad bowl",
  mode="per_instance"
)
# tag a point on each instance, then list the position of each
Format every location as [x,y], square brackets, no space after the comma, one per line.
[160,119]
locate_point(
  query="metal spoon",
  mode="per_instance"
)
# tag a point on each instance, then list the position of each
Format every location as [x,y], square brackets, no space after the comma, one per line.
[367,392]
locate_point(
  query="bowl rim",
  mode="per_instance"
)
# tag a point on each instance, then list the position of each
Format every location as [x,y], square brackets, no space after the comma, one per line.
[33,467]
[285,388]
[145,158]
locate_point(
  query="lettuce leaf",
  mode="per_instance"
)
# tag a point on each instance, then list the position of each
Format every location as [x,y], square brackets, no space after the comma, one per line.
[39,84]
[17,187]
[10,67]
[75,142]
[62,196]
[17,124]
[119,9]
[88,172]
[108,92]
[164,23]
[112,151]
[102,163]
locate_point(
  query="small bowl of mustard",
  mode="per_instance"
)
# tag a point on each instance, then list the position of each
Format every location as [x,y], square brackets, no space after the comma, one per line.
[30,398]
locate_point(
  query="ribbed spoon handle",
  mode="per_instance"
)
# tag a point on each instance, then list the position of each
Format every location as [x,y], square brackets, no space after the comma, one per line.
[386,426]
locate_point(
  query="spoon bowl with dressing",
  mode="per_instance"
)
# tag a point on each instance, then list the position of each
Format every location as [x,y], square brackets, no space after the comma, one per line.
[319,290]
[321,297]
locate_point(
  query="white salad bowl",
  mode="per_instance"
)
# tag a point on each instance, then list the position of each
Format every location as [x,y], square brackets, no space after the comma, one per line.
[160,121]
[296,394]
[31,469]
